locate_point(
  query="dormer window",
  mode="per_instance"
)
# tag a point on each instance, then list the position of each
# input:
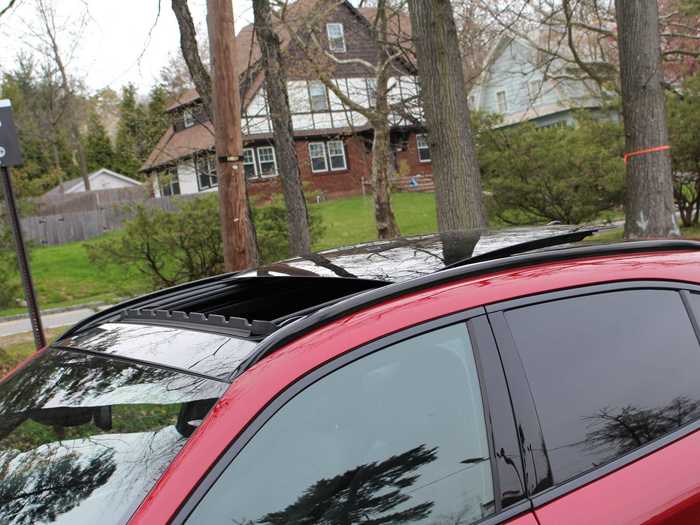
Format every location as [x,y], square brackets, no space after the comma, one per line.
[336,38]
[188,118]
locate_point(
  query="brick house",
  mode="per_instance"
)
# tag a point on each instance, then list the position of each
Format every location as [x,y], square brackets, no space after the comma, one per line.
[333,144]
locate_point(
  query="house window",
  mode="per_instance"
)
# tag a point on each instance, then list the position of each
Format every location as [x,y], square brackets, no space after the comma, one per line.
[267,161]
[249,167]
[336,155]
[501,101]
[317,153]
[169,183]
[423,148]
[318,96]
[336,38]
[188,118]
[535,89]
[372,92]
[205,166]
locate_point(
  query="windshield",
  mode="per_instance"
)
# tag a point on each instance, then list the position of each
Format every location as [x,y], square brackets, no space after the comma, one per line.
[83,439]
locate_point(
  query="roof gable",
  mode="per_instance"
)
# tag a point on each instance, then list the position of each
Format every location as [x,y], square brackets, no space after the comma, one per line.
[248,54]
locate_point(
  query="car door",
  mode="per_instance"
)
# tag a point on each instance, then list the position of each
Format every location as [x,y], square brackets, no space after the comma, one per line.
[413,428]
[605,387]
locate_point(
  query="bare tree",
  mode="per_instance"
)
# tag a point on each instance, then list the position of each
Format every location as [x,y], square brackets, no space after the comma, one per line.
[649,209]
[321,64]
[190,52]
[48,35]
[278,100]
[443,93]
[9,6]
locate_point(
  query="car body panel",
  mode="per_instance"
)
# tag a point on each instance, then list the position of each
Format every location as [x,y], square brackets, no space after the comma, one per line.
[661,488]
[526,519]
[254,389]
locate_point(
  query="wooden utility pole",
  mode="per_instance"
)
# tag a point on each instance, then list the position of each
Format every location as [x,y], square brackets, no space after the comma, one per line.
[238,231]
[649,208]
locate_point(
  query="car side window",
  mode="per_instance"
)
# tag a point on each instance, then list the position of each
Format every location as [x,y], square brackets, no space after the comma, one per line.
[396,436]
[608,372]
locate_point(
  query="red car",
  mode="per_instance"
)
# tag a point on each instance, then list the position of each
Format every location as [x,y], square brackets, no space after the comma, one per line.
[557,386]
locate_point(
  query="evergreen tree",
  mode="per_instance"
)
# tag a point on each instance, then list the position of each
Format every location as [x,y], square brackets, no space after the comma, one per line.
[157,120]
[128,150]
[98,147]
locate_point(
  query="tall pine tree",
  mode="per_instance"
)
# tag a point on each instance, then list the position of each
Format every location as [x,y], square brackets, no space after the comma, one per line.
[98,147]
[157,120]
[128,147]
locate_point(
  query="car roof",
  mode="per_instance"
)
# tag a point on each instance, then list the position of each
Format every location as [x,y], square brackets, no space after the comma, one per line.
[251,314]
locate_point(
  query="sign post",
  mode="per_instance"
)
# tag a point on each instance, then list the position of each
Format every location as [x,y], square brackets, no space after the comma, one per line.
[10,155]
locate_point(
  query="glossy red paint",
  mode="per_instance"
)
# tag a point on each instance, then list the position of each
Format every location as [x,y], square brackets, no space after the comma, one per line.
[527,519]
[672,498]
[258,386]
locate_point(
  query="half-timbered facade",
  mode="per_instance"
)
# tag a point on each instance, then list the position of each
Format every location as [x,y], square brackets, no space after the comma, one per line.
[333,143]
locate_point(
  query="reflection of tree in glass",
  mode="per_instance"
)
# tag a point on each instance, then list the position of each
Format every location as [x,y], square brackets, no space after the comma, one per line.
[40,488]
[366,494]
[72,376]
[630,427]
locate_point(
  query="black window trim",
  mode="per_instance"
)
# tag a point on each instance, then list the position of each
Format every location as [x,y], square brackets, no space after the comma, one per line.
[523,402]
[240,441]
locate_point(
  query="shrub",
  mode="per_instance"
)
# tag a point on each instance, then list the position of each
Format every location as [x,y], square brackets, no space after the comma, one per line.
[566,174]
[684,127]
[184,245]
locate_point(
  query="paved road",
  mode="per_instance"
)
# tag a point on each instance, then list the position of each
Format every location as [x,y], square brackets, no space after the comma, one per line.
[55,320]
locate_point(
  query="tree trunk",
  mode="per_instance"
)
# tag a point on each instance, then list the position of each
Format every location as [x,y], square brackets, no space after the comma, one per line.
[238,230]
[649,210]
[277,98]
[444,98]
[82,160]
[387,227]
[190,52]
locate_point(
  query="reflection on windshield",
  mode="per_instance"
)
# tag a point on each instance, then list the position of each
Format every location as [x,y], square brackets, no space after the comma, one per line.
[83,439]
[406,258]
[209,354]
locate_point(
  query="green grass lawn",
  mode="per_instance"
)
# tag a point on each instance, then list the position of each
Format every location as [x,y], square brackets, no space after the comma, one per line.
[351,221]
[64,276]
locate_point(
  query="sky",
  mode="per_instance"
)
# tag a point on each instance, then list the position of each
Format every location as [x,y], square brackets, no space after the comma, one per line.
[115,47]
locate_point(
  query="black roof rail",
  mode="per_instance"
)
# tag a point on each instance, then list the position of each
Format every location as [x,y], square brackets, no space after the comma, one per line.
[527,246]
[299,327]
[146,299]
[234,326]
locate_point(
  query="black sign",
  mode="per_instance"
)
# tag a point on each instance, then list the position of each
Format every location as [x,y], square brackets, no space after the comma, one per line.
[10,154]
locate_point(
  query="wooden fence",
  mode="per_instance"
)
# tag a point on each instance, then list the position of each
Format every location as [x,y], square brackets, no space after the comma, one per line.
[87,201]
[61,228]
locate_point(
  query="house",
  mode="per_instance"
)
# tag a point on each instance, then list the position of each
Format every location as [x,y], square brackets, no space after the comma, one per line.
[102,179]
[333,143]
[536,79]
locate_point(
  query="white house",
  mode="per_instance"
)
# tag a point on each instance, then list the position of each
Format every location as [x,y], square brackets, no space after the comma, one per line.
[534,79]
[102,179]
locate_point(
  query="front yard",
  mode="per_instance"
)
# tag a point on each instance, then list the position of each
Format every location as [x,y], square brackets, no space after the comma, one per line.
[64,276]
